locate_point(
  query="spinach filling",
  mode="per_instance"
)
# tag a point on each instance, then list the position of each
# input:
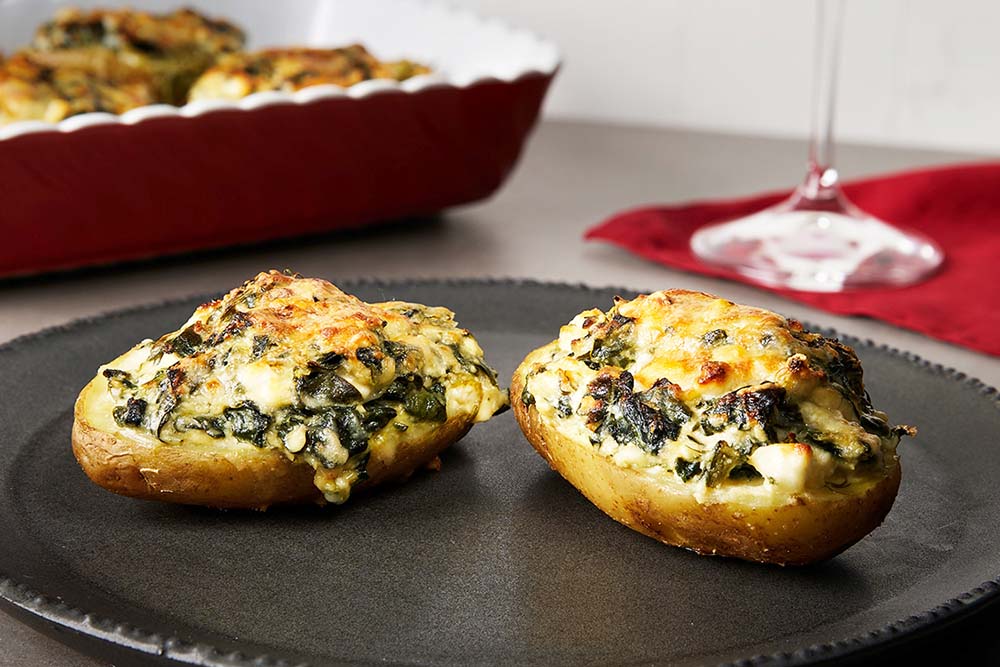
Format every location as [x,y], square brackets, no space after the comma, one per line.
[322,386]
[352,427]
[844,372]
[768,407]
[744,471]
[615,347]
[646,419]
[348,426]
[760,415]
[397,351]
[184,344]
[563,408]
[327,405]
[118,379]
[687,470]
[423,403]
[650,418]
[236,323]
[724,460]
[325,387]
[247,422]
[165,405]
[351,423]
[527,398]
[130,414]
[370,357]
[780,419]
[378,413]
[743,408]
[427,404]
[726,464]
[214,427]
[473,367]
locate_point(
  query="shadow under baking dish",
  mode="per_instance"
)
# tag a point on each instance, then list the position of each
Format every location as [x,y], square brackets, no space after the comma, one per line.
[494,558]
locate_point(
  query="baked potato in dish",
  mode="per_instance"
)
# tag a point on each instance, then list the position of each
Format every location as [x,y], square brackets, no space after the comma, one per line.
[713,426]
[170,50]
[286,390]
[31,90]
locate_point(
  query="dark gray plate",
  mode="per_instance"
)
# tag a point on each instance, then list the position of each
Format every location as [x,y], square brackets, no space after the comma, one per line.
[494,558]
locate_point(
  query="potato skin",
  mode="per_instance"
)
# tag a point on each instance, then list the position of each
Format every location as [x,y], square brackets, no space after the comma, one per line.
[807,529]
[227,476]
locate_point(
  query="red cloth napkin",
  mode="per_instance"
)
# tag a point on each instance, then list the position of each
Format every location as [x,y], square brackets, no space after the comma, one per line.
[958,206]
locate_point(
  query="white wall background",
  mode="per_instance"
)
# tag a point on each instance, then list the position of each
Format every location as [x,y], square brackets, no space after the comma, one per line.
[913,72]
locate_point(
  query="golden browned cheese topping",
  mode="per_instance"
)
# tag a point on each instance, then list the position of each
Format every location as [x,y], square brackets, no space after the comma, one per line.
[714,393]
[241,74]
[297,365]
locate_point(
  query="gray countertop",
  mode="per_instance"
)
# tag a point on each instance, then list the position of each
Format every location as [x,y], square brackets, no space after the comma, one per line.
[572,176]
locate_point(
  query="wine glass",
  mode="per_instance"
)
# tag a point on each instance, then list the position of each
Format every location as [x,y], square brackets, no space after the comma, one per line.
[816,240]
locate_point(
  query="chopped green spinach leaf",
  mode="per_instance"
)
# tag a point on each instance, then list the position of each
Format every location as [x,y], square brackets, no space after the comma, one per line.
[247,422]
[686,470]
[130,414]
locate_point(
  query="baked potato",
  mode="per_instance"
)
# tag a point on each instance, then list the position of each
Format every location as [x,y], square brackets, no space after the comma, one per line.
[169,50]
[286,390]
[30,90]
[712,426]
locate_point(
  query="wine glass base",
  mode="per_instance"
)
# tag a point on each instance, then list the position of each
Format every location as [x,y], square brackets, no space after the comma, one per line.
[818,251]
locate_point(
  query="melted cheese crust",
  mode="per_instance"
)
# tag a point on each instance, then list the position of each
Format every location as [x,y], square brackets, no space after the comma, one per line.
[722,396]
[296,364]
[241,74]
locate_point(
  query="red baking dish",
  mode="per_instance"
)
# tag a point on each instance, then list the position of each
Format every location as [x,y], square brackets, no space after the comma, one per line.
[99,188]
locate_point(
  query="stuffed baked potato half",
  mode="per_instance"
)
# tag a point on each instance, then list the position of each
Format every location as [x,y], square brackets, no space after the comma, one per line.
[286,390]
[721,428]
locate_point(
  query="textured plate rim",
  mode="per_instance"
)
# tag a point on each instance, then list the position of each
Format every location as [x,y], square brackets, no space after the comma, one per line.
[125,635]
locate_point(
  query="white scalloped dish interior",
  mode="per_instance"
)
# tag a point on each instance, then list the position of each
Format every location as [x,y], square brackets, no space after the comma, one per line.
[461,48]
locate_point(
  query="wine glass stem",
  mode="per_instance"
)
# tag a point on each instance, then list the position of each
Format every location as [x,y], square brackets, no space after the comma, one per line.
[821,178]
